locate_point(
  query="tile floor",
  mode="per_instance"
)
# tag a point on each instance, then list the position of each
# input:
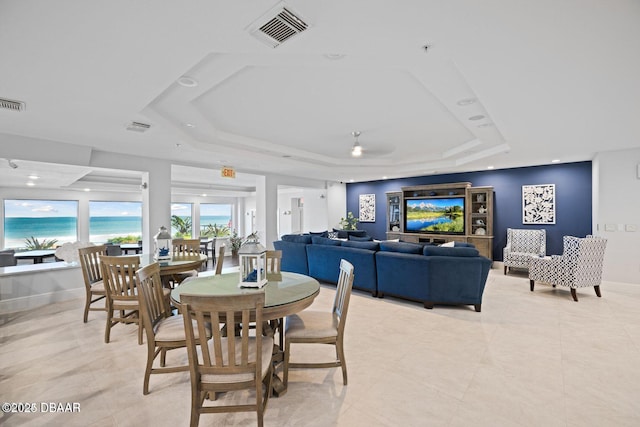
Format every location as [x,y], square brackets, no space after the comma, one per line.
[529,359]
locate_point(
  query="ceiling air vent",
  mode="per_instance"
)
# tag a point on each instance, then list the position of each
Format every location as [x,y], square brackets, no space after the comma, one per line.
[12,105]
[279,28]
[138,127]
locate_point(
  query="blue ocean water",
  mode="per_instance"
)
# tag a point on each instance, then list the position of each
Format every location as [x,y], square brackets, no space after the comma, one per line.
[64,229]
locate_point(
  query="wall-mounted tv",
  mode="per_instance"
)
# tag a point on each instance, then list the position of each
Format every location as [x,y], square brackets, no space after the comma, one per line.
[437,215]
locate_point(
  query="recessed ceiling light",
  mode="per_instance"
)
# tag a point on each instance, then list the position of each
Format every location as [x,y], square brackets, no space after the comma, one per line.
[204,194]
[33,177]
[384,177]
[466,101]
[334,56]
[555,161]
[351,180]
[178,145]
[477,117]
[286,156]
[187,81]
[485,125]
[31,184]
[188,125]
[87,189]
[489,167]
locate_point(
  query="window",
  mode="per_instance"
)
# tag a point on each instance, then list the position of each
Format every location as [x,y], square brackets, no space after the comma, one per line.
[115,222]
[181,220]
[212,215]
[40,224]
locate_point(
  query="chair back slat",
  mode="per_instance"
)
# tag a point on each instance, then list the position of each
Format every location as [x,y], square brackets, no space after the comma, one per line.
[343,292]
[151,298]
[119,274]
[186,247]
[228,354]
[274,261]
[90,263]
[220,260]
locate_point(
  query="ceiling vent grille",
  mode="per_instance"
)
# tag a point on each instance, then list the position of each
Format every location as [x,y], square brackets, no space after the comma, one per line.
[12,105]
[279,28]
[138,127]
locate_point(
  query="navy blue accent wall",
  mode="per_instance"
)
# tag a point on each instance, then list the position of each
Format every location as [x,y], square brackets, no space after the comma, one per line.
[573,199]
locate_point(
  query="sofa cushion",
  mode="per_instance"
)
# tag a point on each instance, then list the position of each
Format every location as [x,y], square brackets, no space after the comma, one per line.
[320,233]
[407,248]
[442,251]
[361,239]
[372,246]
[342,234]
[357,233]
[317,240]
[296,238]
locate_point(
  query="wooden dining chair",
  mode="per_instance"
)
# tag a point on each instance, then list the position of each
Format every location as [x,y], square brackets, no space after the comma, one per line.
[163,331]
[119,273]
[321,327]
[185,248]
[220,260]
[92,274]
[227,363]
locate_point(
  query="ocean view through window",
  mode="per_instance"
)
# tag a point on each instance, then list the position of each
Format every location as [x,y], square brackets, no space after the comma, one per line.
[117,222]
[43,220]
[181,220]
[213,213]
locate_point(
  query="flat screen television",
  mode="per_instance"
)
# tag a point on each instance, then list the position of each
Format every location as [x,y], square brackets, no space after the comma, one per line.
[436,215]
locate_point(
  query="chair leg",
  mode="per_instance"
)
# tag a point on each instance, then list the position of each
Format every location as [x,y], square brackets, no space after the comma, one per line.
[597,288]
[285,369]
[531,282]
[86,306]
[147,371]
[505,270]
[343,363]
[574,295]
[478,307]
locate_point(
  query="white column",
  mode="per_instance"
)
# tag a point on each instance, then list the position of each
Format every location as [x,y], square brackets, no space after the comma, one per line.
[267,210]
[156,202]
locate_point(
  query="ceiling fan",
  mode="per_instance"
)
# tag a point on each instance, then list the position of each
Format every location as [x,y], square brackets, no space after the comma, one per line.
[357,150]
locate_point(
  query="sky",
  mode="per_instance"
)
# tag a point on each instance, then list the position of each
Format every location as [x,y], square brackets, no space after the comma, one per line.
[68,208]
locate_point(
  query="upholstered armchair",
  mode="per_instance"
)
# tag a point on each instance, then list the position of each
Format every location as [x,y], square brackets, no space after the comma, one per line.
[580,265]
[521,246]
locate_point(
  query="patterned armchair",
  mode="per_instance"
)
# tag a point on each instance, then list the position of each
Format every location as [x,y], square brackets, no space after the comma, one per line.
[521,246]
[580,265]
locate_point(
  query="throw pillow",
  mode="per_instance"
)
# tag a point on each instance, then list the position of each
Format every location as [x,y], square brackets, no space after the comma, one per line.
[342,234]
[448,244]
[320,233]
[317,240]
[357,233]
[361,239]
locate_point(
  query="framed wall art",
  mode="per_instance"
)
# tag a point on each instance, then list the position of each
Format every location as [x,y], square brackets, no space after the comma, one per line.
[539,204]
[367,208]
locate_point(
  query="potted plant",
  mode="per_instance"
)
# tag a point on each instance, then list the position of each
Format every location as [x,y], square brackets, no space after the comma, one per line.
[236,242]
[350,222]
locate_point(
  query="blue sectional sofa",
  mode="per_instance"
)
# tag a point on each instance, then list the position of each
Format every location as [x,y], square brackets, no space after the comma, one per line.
[424,273]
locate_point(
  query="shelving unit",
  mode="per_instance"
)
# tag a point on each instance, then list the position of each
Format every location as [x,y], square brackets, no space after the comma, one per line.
[394,211]
[478,215]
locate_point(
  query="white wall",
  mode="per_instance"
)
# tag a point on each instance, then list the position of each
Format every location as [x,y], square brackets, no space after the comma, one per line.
[616,209]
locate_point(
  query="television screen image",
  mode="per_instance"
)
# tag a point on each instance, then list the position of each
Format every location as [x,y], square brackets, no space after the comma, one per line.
[435,215]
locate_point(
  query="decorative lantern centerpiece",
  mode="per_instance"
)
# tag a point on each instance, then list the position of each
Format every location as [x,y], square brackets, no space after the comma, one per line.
[253,259]
[162,245]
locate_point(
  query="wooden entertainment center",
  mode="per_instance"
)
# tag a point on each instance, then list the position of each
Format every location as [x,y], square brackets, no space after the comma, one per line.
[478,214]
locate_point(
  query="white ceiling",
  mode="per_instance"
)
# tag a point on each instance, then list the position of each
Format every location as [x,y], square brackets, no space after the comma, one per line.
[553,80]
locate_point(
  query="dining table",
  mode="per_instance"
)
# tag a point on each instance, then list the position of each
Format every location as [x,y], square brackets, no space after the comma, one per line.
[286,293]
[175,265]
[37,255]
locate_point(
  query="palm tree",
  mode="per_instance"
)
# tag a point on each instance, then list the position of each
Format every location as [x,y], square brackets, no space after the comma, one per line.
[181,225]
